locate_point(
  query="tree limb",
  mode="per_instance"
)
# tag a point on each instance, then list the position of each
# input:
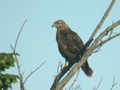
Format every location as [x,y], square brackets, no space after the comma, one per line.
[102,19]
[104,33]
[17,62]
[71,86]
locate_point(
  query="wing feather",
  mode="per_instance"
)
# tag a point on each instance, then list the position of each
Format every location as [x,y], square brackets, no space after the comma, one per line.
[69,43]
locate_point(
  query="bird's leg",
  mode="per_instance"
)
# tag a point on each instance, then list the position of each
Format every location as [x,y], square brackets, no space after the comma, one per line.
[61,67]
[65,64]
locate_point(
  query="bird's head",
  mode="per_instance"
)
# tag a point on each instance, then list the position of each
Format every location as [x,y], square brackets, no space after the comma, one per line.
[60,25]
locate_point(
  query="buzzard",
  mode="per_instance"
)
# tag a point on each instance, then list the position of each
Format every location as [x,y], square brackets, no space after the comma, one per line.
[70,45]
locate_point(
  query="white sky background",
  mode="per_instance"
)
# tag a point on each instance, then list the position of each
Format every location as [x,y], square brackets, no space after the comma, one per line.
[38,40]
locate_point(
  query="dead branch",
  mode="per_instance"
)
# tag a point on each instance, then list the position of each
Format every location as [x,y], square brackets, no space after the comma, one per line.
[17,62]
[18,35]
[102,19]
[104,33]
[71,86]
[31,73]
[114,83]
[99,84]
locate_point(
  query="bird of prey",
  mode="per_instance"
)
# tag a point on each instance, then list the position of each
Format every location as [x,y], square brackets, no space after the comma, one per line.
[70,45]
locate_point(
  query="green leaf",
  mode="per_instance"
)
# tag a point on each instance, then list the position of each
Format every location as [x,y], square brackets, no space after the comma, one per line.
[7,60]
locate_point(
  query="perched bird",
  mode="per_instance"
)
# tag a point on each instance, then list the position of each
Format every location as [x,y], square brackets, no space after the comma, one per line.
[70,45]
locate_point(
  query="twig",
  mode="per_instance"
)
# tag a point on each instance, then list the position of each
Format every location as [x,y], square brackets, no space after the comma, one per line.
[78,87]
[74,80]
[17,62]
[107,30]
[103,19]
[111,33]
[100,82]
[105,41]
[18,35]
[31,73]
[113,84]
[59,67]
[110,38]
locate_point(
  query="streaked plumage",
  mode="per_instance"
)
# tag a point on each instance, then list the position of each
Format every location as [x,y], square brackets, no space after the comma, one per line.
[70,45]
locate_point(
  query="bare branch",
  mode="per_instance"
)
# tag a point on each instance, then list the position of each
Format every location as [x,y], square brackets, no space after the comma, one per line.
[59,67]
[114,83]
[74,80]
[78,87]
[17,62]
[105,41]
[31,73]
[18,35]
[100,82]
[104,33]
[103,19]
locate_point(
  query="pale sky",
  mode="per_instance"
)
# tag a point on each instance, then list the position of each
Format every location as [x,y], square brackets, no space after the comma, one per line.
[38,40]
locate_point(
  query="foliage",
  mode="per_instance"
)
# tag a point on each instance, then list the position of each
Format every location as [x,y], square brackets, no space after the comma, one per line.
[6,81]
[7,60]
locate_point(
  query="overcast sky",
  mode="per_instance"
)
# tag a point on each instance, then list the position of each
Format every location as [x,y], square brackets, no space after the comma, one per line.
[38,40]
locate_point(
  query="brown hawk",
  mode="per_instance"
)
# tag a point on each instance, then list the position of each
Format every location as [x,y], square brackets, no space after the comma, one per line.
[70,45]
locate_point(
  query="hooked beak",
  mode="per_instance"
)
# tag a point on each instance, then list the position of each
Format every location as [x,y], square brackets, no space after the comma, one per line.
[54,25]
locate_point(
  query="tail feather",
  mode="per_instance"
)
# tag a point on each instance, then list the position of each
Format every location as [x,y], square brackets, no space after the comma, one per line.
[87,70]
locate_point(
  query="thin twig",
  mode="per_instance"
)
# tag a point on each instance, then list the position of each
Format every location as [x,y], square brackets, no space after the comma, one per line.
[110,38]
[105,41]
[78,87]
[103,19]
[17,62]
[18,35]
[104,33]
[113,84]
[73,83]
[31,73]
[59,67]
[99,84]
